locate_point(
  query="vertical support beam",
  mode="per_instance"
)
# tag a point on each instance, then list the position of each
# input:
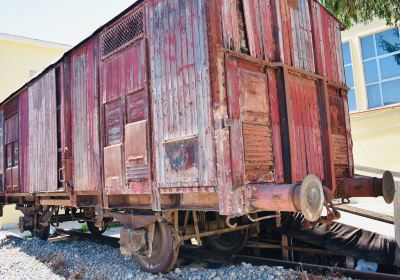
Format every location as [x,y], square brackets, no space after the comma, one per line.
[329,164]
[229,197]
[344,95]
[176,220]
[285,244]
[196,227]
[290,170]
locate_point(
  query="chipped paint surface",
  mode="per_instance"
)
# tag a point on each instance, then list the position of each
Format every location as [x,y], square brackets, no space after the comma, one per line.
[85,118]
[180,87]
[42,143]
[124,95]
[307,138]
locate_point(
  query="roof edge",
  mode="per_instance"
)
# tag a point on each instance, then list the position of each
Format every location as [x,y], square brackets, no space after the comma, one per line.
[34,41]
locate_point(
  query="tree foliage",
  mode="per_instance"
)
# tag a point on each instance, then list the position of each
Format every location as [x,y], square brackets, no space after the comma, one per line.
[355,11]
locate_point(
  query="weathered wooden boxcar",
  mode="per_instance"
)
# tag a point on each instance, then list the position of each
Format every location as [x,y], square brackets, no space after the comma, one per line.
[186,119]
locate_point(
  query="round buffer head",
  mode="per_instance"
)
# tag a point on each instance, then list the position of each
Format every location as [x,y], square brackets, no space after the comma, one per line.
[388,187]
[311,198]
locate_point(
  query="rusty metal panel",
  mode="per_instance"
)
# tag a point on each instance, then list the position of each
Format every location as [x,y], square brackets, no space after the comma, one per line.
[181,162]
[306,139]
[113,167]
[136,152]
[42,146]
[179,66]
[85,117]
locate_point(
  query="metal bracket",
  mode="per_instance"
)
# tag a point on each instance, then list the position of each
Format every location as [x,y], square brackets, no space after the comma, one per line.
[227,123]
[196,228]
[150,238]
[134,221]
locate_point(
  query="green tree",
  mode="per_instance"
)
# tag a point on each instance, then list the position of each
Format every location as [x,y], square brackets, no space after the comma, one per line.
[355,11]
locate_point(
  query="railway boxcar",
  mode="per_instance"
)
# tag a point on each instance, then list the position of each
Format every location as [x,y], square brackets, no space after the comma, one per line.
[186,119]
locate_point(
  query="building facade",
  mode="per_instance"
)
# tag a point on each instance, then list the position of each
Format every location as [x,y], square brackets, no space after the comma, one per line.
[20,59]
[372,65]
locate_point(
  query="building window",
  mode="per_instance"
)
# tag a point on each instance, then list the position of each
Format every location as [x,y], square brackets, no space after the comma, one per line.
[348,69]
[381,56]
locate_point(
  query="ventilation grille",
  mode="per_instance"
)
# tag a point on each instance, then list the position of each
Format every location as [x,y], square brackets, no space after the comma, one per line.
[122,34]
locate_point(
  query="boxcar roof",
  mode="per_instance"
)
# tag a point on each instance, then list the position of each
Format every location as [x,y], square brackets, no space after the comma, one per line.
[95,33]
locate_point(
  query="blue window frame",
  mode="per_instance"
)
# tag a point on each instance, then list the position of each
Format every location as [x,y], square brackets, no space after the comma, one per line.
[381,57]
[348,69]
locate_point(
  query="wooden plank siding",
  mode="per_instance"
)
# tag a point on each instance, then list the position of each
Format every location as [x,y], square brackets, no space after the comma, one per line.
[178,97]
[24,141]
[124,91]
[42,143]
[180,90]
[85,118]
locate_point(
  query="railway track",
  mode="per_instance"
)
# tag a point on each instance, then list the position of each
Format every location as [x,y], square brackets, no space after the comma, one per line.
[193,253]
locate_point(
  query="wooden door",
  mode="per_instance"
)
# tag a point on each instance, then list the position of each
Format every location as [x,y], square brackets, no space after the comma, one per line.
[250,123]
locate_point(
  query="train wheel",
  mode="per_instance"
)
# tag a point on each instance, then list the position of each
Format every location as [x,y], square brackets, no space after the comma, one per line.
[165,251]
[41,232]
[227,244]
[95,230]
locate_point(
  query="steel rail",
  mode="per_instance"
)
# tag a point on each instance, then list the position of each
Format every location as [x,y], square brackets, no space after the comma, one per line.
[318,268]
[192,252]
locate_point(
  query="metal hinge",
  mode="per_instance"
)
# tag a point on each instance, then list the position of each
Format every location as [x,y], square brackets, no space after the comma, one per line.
[227,123]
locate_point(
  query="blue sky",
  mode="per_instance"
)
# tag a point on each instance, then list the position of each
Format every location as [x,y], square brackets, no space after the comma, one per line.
[60,21]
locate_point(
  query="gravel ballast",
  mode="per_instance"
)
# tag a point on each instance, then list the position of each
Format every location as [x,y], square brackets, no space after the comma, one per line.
[82,259]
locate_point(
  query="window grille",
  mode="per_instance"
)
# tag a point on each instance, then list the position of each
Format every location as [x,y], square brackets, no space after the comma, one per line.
[122,34]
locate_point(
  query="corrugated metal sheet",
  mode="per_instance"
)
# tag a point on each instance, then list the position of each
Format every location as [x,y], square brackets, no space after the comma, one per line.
[180,89]
[42,146]
[85,118]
